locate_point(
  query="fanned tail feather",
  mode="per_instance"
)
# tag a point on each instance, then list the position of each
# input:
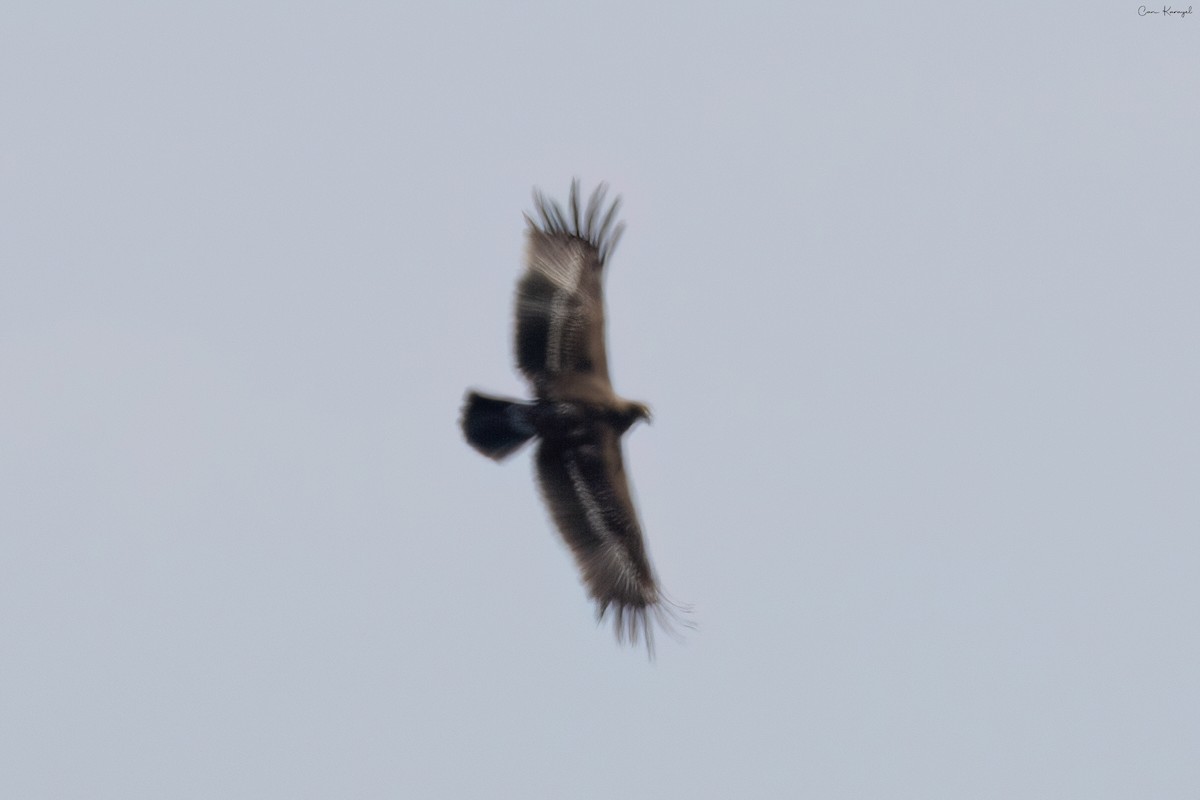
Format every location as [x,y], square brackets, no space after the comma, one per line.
[496,427]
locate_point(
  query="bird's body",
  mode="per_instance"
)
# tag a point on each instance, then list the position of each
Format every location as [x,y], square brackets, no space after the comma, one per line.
[576,416]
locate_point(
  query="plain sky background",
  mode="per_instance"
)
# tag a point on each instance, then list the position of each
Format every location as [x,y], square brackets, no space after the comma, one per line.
[912,290]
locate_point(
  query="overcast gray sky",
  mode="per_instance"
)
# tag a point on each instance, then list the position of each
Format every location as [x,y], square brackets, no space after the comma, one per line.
[912,291]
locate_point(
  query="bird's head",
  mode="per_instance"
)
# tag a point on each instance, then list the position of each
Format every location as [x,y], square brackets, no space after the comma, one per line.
[638,411]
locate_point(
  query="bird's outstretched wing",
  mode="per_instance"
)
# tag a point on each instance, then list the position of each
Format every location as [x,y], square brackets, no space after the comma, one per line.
[560,302]
[583,481]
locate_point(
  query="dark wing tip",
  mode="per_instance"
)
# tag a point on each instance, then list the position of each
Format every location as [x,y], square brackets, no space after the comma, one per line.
[637,622]
[554,221]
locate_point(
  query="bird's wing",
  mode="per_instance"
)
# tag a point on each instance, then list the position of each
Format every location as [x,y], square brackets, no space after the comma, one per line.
[583,481]
[560,299]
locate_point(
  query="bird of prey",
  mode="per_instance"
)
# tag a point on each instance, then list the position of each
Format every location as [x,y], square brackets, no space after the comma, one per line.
[575,416]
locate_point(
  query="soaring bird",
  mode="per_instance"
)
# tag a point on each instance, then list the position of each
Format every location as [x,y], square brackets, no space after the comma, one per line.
[575,416]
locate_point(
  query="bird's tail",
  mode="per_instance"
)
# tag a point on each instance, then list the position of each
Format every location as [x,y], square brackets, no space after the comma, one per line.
[496,427]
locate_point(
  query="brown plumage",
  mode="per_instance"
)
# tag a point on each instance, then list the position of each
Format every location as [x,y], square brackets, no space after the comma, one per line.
[575,415]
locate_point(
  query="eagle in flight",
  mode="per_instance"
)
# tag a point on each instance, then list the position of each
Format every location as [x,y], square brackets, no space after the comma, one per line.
[575,416]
